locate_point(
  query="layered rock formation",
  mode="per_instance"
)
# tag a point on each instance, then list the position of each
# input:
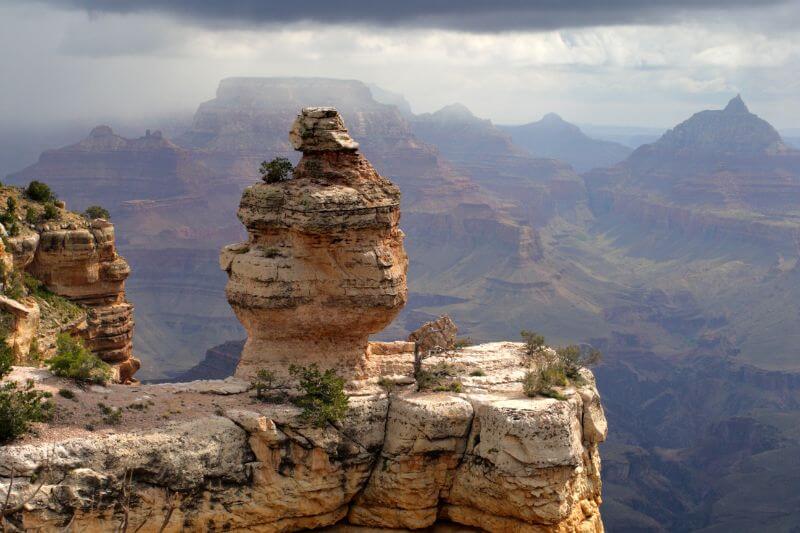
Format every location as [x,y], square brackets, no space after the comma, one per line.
[77,260]
[324,266]
[488,458]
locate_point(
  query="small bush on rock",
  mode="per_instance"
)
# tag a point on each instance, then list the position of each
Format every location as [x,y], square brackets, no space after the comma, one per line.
[534,342]
[39,192]
[573,358]
[541,382]
[73,360]
[267,387]
[323,400]
[20,406]
[558,371]
[96,211]
[31,216]
[276,170]
[50,212]
[438,377]
[6,357]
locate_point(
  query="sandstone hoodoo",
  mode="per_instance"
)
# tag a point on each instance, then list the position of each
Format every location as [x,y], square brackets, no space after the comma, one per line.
[324,264]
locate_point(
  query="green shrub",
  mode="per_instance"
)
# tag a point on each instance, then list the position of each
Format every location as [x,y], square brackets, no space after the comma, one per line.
[97,211]
[562,369]
[50,212]
[477,373]
[73,360]
[31,216]
[6,357]
[323,400]
[111,415]
[267,387]
[534,342]
[14,287]
[573,358]
[39,192]
[540,382]
[20,406]
[69,394]
[11,205]
[276,170]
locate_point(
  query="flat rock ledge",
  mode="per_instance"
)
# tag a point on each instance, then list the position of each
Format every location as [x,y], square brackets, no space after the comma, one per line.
[207,456]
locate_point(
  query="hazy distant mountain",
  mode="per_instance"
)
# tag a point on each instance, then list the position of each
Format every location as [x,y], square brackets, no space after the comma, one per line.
[630,136]
[384,96]
[554,137]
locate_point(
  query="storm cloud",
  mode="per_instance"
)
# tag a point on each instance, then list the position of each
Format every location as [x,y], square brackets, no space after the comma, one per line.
[465,15]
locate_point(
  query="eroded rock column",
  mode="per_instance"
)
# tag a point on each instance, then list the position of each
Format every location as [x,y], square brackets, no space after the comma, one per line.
[324,264]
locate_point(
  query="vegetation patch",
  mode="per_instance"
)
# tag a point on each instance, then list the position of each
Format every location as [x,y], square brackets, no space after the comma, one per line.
[534,342]
[73,360]
[39,192]
[111,415]
[6,357]
[439,377]
[96,211]
[20,406]
[323,398]
[277,170]
[553,370]
[268,388]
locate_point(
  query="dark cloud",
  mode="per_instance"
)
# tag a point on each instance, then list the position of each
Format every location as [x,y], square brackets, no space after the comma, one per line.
[470,15]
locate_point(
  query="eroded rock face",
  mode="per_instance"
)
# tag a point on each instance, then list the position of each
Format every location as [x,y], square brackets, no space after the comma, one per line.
[82,264]
[324,265]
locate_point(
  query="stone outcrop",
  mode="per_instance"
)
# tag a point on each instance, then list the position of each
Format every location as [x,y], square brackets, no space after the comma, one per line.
[82,265]
[489,457]
[76,259]
[324,265]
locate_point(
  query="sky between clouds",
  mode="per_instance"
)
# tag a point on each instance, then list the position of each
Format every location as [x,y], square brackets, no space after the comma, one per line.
[612,62]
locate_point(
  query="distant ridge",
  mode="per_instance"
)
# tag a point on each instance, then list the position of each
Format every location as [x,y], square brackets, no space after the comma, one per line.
[553,137]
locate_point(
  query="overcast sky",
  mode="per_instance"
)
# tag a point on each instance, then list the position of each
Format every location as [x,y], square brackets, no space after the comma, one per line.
[609,62]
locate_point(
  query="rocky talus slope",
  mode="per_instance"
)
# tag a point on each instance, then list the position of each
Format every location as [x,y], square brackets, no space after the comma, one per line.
[75,259]
[206,456]
[324,266]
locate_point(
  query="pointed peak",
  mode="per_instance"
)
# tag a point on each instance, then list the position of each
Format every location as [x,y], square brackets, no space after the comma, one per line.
[736,105]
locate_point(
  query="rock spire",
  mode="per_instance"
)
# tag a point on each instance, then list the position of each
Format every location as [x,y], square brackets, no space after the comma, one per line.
[324,264]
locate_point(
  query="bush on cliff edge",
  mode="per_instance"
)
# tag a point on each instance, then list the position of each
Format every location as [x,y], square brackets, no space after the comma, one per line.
[323,400]
[276,170]
[74,360]
[20,405]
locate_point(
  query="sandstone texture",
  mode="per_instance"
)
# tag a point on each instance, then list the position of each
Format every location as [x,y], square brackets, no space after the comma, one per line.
[488,458]
[324,264]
